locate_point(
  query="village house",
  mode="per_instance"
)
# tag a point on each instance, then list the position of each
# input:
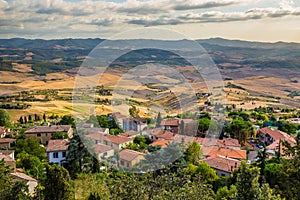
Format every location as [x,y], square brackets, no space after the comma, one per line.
[57,151]
[270,136]
[134,124]
[31,182]
[158,134]
[228,153]
[128,158]
[130,134]
[9,158]
[44,133]
[188,127]
[6,143]
[171,124]
[6,131]
[116,141]
[224,166]
[103,151]
[119,118]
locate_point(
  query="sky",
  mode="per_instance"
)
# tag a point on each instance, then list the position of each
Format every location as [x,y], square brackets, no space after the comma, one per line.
[252,20]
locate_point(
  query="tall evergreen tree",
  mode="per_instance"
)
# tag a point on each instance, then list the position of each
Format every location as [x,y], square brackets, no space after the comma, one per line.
[57,184]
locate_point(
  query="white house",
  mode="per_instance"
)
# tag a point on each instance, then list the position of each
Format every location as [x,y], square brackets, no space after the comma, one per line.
[57,151]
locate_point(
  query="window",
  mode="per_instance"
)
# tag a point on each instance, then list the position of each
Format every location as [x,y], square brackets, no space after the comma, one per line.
[46,134]
[105,154]
[122,162]
[39,135]
[55,155]
[64,154]
[127,164]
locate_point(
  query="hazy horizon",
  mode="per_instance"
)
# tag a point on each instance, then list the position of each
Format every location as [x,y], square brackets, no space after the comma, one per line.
[247,20]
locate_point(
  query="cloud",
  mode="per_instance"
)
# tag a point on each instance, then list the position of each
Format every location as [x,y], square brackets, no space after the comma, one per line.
[42,16]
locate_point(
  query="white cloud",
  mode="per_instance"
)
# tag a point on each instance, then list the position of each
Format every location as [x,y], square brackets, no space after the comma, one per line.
[49,16]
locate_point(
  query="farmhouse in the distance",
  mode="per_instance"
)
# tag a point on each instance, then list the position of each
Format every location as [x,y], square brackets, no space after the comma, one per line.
[44,133]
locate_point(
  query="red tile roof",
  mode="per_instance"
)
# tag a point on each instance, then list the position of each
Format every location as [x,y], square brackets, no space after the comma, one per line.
[48,129]
[57,145]
[96,136]
[129,133]
[101,148]
[184,138]
[170,122]
[161,143]
[166,135]
[116,139]
[278,135]
[129,155]
[230,153]
[222,163]
[228,142]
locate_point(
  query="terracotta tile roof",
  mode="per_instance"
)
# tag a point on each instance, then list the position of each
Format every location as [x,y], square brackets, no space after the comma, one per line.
[278,135]
[170,122]
[161,143]
[129,133]
[96,136]
[230,153]
[57,145]
[186,139]
[116,139]
[23,176]
[153,131]
[166,135]
[129,155]
[222,163]
[7,140]
[48,129]
[228,142]
[101,148]
[6,152]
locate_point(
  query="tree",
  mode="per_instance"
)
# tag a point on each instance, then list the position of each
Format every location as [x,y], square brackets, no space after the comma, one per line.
[203,124]
[67,120]
[103,121]
[4,118]
[262,157]
[158,120]
[248,186]
[225,194]
[57,184]
[78,156]
[21,120]
[134,111]
[31,164]
[29,119]
[93,120]
[241,130]
[193,153]
[287,127]
[59,135]
[208,173]
[9,189]
[32,147]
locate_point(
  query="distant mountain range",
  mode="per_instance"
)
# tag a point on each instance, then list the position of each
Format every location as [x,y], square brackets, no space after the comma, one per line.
[47,56]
